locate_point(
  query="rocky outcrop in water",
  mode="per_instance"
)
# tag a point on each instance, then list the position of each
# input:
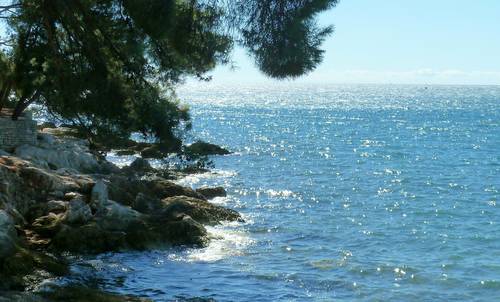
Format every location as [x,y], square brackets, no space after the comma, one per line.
[57,196]
[210,193]
[201,148]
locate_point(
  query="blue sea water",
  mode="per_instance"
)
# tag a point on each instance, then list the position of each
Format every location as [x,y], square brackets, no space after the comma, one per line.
[350,193]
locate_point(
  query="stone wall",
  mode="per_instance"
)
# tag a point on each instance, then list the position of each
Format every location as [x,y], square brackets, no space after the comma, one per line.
[16,133]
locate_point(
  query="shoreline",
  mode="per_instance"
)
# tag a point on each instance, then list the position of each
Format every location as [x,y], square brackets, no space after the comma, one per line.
[58,196]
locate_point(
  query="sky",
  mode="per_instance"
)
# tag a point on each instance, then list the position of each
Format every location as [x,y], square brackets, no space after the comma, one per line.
[400,42]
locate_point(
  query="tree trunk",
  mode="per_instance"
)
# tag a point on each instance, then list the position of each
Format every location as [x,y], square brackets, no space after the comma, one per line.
[5,89]
[22,104]
[2,102]
[18,110]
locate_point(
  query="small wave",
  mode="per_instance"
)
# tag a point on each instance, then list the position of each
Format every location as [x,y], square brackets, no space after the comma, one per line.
[490,284]
[280,193]
[325,264]
[193,179]
[227,240]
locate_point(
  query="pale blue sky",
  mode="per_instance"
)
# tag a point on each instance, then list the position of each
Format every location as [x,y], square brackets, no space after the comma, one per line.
[401,41]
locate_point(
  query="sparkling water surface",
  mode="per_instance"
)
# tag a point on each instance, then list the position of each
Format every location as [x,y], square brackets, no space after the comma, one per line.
[350,193]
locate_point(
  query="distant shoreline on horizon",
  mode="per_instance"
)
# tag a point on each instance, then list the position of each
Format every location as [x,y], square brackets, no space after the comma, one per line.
[294,83]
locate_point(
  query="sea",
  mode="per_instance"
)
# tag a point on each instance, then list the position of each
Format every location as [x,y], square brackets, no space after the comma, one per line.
[349,193]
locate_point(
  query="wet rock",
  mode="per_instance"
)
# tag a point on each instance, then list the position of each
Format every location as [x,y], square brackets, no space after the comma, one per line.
[210,193]
[89,238]
[202,148]
[146,204]
[183,230]
[101,235]
[76,293]
[59,208]
[26,267]
[200,210]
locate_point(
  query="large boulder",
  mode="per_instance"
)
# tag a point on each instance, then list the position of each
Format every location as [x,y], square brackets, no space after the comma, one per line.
[126,189]
[88,238]
[77,293]
[138,166]
[182,230]
[45,181]
[113,216]
[202,148]
[158,151]
[28,267]
[164,188]
[210,193]
[53,151]
[78,212]
[24,187]
[99,194]
[146,204]
[200,210]
[114,227]
[46,139]
[48,225]
[72,156]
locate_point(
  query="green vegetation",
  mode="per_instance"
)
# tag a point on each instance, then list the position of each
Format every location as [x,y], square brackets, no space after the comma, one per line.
[111,66]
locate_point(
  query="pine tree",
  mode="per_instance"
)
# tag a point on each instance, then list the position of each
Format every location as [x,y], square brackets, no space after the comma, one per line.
[111,66]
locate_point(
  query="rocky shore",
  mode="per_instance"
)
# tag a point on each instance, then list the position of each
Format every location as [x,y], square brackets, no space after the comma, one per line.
[57,196]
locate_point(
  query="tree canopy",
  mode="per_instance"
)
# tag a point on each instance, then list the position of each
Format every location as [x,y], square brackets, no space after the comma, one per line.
[111,66]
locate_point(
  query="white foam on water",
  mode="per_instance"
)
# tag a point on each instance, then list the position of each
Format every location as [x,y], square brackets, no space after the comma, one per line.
[225,243]
[226,240]
[221,201]
[193,179]
[280,193]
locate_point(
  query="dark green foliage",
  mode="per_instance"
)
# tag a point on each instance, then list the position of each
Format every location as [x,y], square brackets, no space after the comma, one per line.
[5,80]
[111,66]
[282,34]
